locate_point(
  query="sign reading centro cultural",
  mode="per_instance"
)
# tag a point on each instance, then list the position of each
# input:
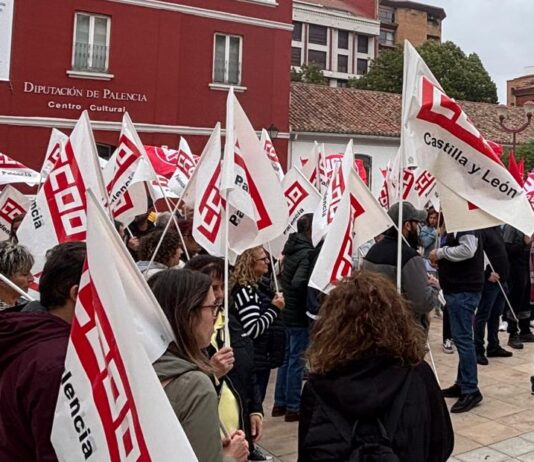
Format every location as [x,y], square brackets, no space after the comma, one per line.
[6,25]
[91,94]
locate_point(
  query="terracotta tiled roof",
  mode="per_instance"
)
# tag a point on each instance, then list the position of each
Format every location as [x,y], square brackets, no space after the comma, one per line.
[340,5]
[322,109]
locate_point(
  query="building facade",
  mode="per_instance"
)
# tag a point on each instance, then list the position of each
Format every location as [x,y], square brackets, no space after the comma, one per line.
[416,22]
[340,36]
[169,64]
[521,89]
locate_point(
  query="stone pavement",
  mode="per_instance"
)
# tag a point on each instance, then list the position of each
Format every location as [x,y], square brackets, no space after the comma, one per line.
[501,429]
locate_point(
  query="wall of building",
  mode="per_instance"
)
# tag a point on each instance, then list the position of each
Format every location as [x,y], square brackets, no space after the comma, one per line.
[161,62]
[519,83]
[412,25]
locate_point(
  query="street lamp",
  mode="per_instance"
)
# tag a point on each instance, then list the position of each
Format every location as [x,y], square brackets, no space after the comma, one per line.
[503,112]
[273,131]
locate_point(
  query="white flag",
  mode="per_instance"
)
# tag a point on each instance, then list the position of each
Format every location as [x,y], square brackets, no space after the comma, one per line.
[460,215]
[268,148]
[186,162]
[57,140]
[111,405]
[302,197]
[358,219]
[529,188]
[12,204]
[12,171]
[326,210]
[59,211]
[439,137]
[257,211]
[309,166]
[204,195]
[127,198]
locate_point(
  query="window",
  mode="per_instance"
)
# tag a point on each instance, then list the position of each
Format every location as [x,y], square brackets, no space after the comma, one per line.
[363,44]
[297,31]
[387,38]
[431,19]
[296,56]
[105,151]
[91,43]
[433,37]
[317,57]
[387,15]
[342,63]
[317,34]
[227,59]
[361,66]
[343,39]
[342,83]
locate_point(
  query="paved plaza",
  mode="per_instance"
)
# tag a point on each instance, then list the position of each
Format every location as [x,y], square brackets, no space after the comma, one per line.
[501,429]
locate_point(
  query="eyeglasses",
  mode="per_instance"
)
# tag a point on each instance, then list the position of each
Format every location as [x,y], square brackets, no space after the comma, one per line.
[264,259]
[215,308]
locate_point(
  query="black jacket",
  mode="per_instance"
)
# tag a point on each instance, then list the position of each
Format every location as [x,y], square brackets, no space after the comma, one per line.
[295,276]
[367,388]
[495,249]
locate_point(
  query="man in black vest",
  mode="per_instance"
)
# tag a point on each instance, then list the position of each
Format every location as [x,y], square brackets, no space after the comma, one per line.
[461,276]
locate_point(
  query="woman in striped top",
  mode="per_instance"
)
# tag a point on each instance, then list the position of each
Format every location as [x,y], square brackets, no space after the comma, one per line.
[257,308]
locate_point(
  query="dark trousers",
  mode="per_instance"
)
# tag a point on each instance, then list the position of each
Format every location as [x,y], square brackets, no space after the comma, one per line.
[488,313]
[519,285]
[262,375]
[446,325]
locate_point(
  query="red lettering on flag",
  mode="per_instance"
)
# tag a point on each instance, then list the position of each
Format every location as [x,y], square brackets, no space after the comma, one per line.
[295,194]
[94,341]
[10,209]
[65,196]
[210,208]
[437,108]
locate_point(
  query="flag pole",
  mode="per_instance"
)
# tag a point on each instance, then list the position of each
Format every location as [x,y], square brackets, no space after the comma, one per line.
[226,270]
[167,226]
[173,217]
[16,288]
[273,268]
[502,289]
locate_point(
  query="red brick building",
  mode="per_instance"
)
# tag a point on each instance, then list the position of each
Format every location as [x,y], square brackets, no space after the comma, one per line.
[168,63]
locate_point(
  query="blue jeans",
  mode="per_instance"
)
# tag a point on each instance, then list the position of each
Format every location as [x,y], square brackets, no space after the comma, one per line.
[289,376]
[489,310]
[462,307]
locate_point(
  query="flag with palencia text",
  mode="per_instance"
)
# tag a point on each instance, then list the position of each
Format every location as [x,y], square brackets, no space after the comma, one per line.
[111,405]
[437,135]
[13,171]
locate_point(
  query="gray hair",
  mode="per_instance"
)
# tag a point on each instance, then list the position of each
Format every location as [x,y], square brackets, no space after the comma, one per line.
[14,258]
[162,219]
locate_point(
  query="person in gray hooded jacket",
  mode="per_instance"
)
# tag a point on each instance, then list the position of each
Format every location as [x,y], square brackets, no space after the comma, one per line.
[187,299]
[417,287]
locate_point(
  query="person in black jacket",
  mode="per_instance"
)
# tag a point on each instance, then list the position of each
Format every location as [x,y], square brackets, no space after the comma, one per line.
[366,350]
[518,248]
[295,276]
[491,304]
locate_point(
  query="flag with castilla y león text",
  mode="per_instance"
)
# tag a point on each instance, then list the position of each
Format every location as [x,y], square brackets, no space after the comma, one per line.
[438,136]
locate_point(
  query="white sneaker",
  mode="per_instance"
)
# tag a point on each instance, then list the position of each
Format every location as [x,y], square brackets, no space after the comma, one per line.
[532,323]
[448,346]
[503,326]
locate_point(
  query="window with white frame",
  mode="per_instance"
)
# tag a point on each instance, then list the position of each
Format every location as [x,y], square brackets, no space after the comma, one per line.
[297,31]
[227,59]
[387,38]
[91,42]
[296,56]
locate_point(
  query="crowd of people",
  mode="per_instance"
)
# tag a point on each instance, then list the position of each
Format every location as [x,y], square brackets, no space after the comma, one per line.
[359,351]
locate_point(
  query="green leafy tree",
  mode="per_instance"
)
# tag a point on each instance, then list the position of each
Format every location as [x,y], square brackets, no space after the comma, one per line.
[309,73]
[526,151]
[462,76]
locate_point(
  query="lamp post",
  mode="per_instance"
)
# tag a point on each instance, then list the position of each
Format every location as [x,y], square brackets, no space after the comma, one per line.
[273,131]
[503,111]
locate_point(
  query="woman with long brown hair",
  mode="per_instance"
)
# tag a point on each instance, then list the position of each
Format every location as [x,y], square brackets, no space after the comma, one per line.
[187,299]
[369,385]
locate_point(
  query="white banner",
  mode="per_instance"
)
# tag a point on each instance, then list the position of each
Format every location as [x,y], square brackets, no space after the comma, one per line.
[6,27]
[111,405]
[438,136]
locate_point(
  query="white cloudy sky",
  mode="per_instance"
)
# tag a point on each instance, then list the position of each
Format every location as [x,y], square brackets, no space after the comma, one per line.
[499,31]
